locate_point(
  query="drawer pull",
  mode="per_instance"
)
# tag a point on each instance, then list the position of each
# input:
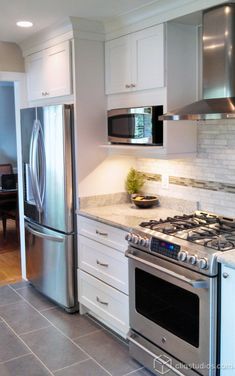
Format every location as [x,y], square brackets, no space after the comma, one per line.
[102,264]
[101,302]
[101,233]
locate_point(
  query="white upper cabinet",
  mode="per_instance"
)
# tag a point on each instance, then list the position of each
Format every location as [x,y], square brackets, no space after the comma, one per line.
[136,61]
[49,72]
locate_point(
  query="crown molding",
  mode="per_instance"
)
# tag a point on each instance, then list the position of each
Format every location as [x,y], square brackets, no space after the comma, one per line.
[153,14]
[68,28]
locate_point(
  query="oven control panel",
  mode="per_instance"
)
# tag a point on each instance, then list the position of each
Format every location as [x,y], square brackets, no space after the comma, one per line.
[168,249]
[165,248]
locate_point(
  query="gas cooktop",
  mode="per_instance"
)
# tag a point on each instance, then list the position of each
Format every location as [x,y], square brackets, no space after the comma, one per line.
[192,241]
[201,228]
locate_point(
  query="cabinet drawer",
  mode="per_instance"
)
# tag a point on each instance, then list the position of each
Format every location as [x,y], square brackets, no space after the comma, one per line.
[103,262]
[105,234]
[110,305]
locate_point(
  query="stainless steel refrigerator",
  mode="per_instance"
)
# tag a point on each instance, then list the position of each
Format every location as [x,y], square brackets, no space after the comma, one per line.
[49,200]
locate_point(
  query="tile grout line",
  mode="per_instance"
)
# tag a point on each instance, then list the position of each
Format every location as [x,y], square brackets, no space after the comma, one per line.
[74,364]
[64,335]
[86,335]
[15,358]
[133,372]
[28,347]
[34,330]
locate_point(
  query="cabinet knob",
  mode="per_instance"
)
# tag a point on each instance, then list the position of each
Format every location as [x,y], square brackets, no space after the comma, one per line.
[225,275]
[127,86]
[133,85]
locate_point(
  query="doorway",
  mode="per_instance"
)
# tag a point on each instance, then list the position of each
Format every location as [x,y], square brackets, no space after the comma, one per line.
[10,260]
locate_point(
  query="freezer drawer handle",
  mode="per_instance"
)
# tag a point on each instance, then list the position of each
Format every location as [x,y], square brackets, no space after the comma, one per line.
[102,264]
[101,302]
[197,284]
[59,239]
[154,356]
[101,233]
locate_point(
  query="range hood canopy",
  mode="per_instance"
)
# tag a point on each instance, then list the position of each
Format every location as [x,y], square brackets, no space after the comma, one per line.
[218,69]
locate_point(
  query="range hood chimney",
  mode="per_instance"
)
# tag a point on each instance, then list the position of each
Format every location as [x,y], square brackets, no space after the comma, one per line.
[218,69]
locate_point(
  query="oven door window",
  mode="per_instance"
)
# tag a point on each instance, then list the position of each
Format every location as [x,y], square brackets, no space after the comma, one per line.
[169,306]
[133,126]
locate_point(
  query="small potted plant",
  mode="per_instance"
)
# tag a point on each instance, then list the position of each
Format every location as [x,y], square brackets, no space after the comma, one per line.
[134,182]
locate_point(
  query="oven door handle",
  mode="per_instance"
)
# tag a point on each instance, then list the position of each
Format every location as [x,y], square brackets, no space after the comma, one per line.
[160,360]
[197,284]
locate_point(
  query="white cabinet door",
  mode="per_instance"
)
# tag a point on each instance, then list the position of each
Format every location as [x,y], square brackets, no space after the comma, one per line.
[35,79]
[118,65]
[135,62]
[57,75]
[103,262]
[109,304]
[148,55]
[227,347]
[49,72]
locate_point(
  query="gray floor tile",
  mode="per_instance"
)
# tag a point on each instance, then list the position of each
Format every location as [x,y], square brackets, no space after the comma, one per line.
[28,365]
[111,353]
[142,372]
[19,285]
[22,318]
[10,345]
[73,325]
[87,368]
[37,300]
[54,350]
[8,296]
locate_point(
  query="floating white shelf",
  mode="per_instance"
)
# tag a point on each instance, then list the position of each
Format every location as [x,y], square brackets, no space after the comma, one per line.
[145,151]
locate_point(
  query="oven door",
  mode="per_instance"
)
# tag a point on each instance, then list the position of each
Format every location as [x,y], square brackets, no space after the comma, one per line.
[175,308]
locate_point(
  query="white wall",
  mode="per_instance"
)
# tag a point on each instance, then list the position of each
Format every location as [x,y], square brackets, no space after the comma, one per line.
[7,124]
[108,177]
[11,59]
[215,163]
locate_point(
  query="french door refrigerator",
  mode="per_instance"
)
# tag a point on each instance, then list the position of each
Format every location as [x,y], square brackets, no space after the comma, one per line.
[49,197]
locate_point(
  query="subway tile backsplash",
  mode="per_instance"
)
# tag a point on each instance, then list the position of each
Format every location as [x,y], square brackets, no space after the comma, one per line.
[209,178]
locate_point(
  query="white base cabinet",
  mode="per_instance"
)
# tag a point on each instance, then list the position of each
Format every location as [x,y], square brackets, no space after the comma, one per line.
[103,273]
[227,344]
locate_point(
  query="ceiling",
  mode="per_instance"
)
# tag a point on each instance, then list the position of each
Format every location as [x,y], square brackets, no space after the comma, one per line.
[44,13]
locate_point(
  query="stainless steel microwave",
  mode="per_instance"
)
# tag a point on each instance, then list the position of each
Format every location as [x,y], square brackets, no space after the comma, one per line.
[135,126]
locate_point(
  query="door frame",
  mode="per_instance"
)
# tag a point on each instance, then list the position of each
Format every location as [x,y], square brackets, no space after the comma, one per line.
[20,93]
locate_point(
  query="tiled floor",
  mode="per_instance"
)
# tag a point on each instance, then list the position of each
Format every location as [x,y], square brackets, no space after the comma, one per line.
[38,339]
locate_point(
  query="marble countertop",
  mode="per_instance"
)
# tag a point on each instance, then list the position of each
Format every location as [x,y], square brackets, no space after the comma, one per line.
[126,216]
[227,258]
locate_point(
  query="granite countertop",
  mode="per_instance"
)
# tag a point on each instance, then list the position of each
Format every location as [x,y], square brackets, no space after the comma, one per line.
[227,258]
[126,216]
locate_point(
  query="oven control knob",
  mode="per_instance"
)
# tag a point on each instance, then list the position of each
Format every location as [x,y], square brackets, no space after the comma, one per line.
[128,237]
[144,242]
[192,259]
[136,239]
[202,263]
[182,256]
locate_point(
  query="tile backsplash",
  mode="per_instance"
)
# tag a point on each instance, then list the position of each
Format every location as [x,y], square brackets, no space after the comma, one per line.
[209,178]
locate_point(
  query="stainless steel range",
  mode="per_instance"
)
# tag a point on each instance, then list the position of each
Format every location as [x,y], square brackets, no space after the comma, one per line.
[173,287]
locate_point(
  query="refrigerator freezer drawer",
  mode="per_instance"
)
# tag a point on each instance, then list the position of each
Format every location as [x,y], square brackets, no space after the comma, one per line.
[50,263]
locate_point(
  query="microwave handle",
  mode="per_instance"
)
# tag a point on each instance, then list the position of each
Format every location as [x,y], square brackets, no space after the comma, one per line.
[197,284]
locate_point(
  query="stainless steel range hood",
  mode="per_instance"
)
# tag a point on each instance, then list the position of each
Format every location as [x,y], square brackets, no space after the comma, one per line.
[218,69]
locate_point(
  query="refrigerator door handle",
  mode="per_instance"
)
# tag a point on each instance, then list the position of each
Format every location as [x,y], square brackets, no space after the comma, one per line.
[42,182]
[36,143]
[32,164]
[59,239]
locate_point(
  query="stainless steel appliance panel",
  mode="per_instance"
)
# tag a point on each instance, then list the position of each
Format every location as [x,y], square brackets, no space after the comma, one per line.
[47,157]
[155,359]
[50,263]
[202,287]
